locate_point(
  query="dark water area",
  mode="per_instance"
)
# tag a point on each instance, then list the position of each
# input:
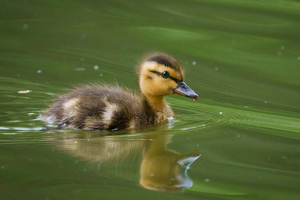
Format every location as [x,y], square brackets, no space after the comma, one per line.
[241,140]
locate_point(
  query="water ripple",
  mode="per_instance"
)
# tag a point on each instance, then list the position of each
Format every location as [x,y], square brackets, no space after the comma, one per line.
[196,115]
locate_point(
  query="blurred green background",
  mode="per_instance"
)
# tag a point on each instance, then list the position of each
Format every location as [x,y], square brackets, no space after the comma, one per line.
[242,57]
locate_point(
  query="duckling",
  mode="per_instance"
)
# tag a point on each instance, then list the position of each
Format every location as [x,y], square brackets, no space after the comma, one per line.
[107,107]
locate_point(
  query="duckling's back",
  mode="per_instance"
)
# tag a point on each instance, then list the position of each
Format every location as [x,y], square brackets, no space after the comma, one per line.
[100,107]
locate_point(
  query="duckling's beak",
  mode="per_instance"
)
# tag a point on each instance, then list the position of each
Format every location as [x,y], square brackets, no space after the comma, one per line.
[184,90]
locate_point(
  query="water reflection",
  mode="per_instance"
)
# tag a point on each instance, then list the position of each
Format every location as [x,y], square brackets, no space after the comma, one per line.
[164,169]
[160,168]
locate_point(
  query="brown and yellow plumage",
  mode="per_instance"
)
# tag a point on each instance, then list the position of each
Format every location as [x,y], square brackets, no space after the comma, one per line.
[106,107]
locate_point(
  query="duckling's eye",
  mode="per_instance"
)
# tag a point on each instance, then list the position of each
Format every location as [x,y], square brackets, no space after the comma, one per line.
[165,75]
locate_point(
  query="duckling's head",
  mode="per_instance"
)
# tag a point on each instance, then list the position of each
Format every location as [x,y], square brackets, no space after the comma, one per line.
[160,74]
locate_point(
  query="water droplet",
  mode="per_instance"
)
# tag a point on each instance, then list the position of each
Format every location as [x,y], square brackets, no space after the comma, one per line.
[265,101]
[39,71]
[194,63]
[101,75]
[220,113]
[279,53]
[96,67]
[207,180]
[216,68]
[25,26]
[84,169]
[282,48]
[151,174]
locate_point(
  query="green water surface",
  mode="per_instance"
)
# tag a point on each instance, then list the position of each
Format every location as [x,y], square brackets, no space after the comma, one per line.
[242,57]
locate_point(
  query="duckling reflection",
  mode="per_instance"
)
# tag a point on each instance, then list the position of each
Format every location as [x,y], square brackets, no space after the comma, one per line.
[161,169]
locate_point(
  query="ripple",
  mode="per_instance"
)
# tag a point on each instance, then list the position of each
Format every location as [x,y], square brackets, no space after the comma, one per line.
[209,115]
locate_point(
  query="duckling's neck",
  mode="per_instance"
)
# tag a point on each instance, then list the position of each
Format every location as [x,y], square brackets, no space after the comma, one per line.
[157,103]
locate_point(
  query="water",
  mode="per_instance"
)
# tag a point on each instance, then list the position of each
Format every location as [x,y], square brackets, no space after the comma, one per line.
[242,136]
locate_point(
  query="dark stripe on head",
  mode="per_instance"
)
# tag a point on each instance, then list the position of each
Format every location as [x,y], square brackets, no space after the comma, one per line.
[175,79]
[159,74]
[163,60]
[156,72]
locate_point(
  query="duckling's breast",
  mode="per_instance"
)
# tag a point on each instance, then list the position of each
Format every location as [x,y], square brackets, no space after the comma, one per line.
[164,114]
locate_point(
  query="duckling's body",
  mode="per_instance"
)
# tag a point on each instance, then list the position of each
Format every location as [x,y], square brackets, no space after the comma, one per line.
[114,108]
[104,108]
